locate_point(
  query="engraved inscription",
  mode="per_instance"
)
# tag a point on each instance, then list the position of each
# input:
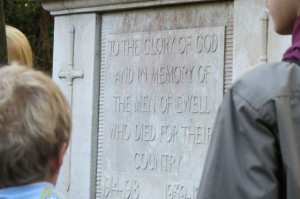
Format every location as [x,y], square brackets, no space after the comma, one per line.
[153,45]
[181,191]
[116,187]
[162,90]
[158,162]
[163,104]
[164,133]
[166,74]
[119,131]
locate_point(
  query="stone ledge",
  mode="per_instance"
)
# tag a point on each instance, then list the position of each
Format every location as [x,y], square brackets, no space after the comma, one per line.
[63,7]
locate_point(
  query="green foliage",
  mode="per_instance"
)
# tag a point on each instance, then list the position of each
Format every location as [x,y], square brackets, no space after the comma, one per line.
[37,24]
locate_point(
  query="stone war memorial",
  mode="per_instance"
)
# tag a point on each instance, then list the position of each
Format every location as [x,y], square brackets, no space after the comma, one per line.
[145,79]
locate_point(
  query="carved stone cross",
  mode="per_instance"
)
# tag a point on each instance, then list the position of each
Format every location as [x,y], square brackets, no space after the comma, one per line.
[70,74]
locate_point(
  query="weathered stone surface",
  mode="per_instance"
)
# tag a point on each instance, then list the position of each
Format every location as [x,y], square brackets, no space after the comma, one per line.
[61,7]
[77,178]
[249,37]
[163,83]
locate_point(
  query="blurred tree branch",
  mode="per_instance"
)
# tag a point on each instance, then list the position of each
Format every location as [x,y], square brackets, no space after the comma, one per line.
[3,45]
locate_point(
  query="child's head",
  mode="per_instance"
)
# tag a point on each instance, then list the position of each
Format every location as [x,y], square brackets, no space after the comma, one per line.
[18,47]
[284,13]
[35,126]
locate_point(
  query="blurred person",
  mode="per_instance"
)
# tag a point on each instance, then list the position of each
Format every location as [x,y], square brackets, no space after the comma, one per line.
[18,47]
[255,147]
[35,127]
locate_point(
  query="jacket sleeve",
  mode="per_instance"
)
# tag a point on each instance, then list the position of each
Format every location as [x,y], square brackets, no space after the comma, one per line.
[242,158]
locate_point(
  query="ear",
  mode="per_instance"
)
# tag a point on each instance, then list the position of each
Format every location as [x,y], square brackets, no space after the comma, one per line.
[57,161]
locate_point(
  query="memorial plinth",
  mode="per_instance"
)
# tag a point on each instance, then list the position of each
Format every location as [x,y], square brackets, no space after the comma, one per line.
[145,79]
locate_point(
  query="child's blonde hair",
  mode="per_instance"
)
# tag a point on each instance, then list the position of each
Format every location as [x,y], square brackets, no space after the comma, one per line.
[35,121]
[18,47]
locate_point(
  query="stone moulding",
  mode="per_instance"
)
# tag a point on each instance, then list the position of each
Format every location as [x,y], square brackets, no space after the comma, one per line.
[63,7]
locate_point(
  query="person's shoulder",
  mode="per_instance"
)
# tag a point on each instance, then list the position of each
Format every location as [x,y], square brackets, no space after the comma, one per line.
[50,193]
[267,81]
[39,190]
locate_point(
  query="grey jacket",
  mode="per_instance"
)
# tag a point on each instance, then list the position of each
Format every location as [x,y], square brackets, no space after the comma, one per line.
[255,148]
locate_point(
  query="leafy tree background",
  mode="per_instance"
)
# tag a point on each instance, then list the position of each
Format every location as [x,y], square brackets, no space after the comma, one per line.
[37,24]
